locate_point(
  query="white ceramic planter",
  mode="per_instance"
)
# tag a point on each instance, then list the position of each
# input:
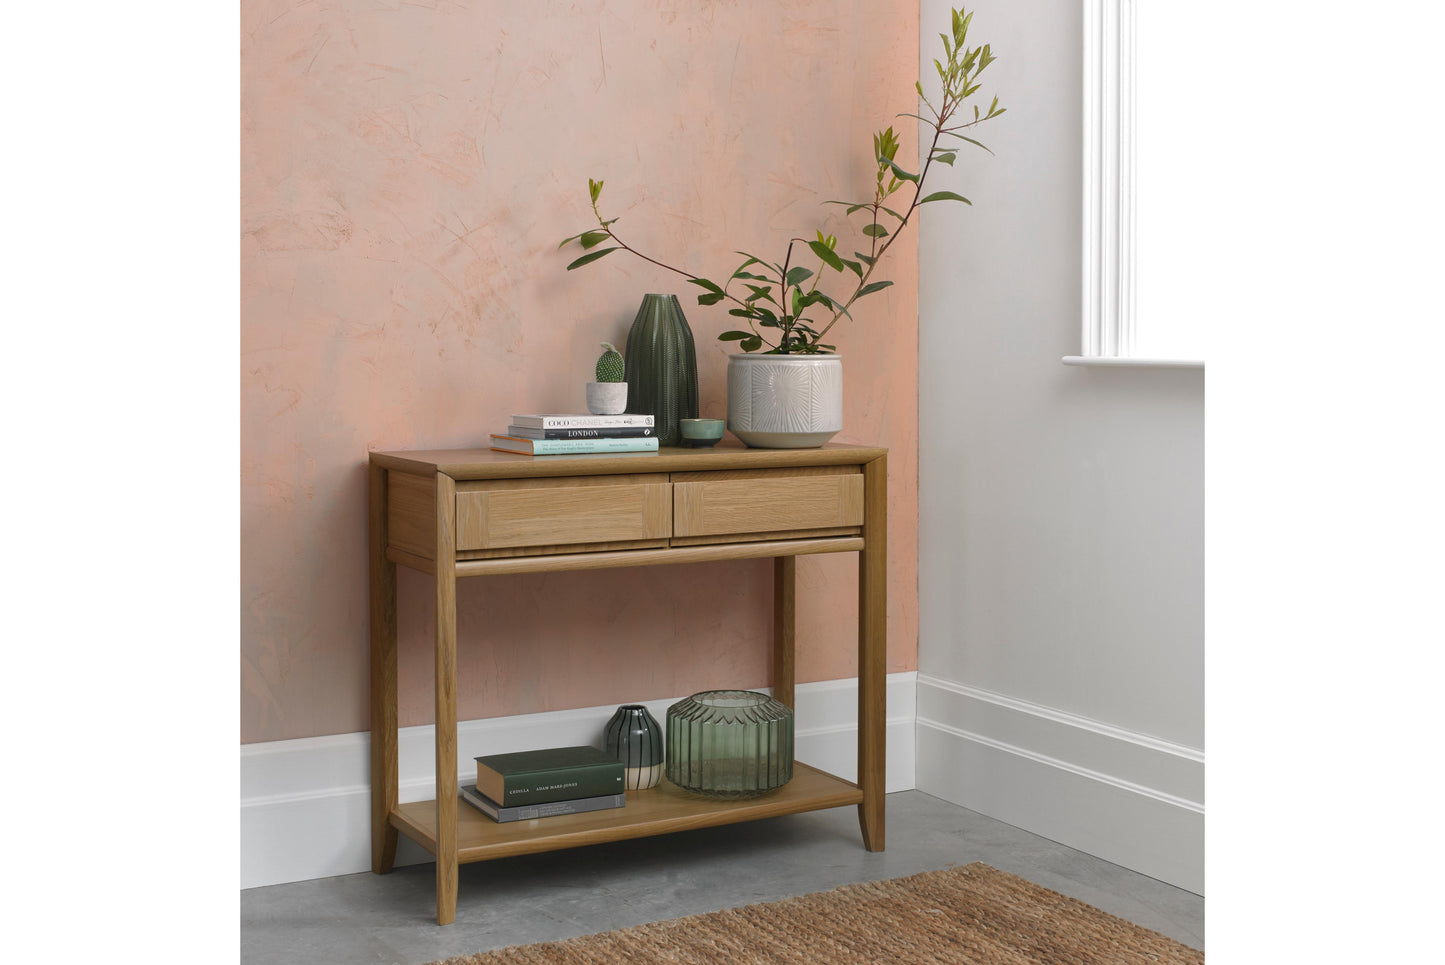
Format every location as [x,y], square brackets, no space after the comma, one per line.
[606,398]
[785,401]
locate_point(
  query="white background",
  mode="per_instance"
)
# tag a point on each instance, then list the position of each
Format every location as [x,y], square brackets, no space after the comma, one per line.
[1321,225]
[1174,119]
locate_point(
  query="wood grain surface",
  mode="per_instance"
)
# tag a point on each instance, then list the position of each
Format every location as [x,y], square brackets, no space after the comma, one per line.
[711,507]
[608,513]
[558,515]
[463,464]
[660,810]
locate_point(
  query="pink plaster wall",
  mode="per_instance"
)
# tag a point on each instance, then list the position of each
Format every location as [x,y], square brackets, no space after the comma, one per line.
[407,170]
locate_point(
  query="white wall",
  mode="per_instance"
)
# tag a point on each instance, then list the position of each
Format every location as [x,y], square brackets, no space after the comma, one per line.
[1061,559]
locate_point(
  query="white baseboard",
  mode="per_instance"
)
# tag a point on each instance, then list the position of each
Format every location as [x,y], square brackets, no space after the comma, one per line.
[306,804]
[1125,797]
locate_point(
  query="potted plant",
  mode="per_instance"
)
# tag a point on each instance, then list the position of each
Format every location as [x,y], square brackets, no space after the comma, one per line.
[785,388]
[608,395]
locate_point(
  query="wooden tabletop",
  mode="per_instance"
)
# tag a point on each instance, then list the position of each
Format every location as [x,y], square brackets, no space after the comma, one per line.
[492,464]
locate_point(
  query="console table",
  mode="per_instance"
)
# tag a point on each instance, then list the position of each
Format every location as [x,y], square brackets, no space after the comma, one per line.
[477,512]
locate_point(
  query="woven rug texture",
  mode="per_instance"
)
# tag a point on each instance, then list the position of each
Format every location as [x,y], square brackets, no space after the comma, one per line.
[974,914]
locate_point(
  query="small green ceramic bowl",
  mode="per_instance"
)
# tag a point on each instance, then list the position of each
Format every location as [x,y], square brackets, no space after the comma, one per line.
[700,433]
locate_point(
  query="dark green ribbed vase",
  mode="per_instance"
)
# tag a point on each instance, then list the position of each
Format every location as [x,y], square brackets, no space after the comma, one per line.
[662,366]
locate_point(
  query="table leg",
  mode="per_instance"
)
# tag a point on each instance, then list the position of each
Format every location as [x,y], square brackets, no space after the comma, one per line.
[785,570]
[873,651]
[383,679]
[446,699]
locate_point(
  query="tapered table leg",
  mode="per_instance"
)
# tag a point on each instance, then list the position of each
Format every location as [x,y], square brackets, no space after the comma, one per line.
[383,679]
[873,651]
[446,699]
[785,571]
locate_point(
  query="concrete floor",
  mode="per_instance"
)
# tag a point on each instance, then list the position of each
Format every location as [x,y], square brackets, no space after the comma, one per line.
[366,918]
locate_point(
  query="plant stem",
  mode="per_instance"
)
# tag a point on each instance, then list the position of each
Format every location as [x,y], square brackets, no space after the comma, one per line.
[626,247]
[956,90]
[787,319]
[686,274]
[878,254]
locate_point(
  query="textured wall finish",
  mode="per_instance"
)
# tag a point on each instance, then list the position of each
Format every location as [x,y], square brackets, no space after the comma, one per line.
[406,173]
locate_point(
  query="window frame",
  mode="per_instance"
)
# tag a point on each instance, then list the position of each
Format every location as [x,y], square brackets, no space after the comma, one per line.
[1108,279]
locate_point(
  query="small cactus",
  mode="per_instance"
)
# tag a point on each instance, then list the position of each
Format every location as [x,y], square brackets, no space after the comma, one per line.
[610,367]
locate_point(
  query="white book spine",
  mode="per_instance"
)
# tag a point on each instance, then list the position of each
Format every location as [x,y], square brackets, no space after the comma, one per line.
[581,421]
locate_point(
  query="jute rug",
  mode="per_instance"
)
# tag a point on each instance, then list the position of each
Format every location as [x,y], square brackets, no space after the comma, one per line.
[974,914]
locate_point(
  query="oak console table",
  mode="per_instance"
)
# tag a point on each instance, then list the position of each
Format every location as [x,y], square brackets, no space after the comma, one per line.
[476,512]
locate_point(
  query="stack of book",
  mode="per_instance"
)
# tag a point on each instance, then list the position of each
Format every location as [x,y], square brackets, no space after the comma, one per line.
[538,784]
[550,435]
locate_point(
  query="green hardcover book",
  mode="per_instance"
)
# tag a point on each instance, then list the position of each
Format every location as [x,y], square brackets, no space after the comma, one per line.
[549,774]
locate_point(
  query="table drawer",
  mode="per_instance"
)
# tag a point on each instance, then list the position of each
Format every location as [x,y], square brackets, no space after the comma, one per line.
[767,502]
[560,513]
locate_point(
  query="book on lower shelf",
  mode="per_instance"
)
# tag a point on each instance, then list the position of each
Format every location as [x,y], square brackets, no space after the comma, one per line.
[549,774]
[528,812]
[567,421]
[558,447]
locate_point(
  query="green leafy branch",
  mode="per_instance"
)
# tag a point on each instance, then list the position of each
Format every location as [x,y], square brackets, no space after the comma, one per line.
[775,299]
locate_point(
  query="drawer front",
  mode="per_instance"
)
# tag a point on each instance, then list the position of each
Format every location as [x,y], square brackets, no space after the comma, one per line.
[777,503]
[563,515]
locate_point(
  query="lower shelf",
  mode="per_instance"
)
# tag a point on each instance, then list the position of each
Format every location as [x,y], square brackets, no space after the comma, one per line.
[661,810]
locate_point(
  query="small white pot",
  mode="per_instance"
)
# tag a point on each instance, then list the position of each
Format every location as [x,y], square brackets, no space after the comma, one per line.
[606,398]
[785,401]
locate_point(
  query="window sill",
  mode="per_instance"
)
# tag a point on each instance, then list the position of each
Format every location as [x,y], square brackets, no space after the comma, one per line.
[1103,361]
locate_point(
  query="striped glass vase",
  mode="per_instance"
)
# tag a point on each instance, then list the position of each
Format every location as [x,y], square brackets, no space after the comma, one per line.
[634,738]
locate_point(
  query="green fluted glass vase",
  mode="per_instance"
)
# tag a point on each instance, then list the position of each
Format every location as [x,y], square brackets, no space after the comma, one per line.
[729,743]
[662,366]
